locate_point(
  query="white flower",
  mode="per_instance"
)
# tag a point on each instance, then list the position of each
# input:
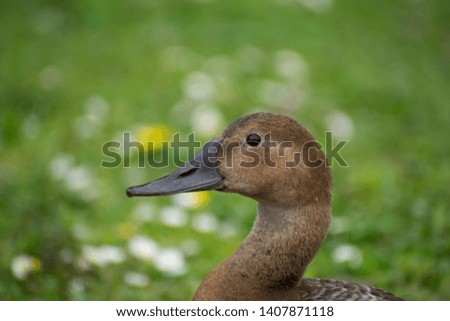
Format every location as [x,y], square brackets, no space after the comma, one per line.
[173,216]
[97,109]
[340,124]
[143,248]
[136,279]
[186,200]
[76,288]
[80,231]
[206,120]
[78,178]
[61,165]
[205,222]
[290,64]
[144,212]
[199,86]
[23,264]
[103,255]
[81,180]
[348,253]
[171,261]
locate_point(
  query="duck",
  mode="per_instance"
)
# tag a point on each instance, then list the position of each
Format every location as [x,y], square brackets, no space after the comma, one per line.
[276,161]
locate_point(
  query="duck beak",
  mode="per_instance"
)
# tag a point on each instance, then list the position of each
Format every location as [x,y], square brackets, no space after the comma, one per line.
[199,174]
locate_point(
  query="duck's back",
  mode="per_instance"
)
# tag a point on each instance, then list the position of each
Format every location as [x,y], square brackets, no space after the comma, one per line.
[334,290]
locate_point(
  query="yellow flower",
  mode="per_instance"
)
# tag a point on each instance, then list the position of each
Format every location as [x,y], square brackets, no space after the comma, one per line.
[192,200]
[153,136]
[201,198]
[127,230]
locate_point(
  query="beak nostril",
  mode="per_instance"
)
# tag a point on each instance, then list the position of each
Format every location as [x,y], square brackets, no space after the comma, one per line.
[188,172]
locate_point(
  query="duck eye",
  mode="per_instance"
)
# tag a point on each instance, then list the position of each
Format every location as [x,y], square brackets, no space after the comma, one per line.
[253,140]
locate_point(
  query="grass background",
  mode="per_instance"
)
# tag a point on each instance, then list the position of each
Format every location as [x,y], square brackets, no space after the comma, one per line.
[381,65]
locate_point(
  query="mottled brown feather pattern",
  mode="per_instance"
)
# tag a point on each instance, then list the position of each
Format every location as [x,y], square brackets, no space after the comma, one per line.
[325,289]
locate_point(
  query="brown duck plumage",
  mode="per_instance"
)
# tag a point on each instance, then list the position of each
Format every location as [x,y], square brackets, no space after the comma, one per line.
[288,175]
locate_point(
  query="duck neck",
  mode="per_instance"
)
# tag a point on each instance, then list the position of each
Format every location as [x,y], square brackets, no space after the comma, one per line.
[274,256]
[283,242]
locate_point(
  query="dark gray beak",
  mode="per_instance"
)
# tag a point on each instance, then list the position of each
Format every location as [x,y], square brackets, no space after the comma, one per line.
[199,174]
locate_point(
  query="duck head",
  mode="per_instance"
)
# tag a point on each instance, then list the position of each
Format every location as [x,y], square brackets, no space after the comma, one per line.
[268,157]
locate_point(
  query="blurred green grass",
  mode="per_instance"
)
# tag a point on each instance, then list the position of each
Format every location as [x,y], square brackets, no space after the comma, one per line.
[381,66]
